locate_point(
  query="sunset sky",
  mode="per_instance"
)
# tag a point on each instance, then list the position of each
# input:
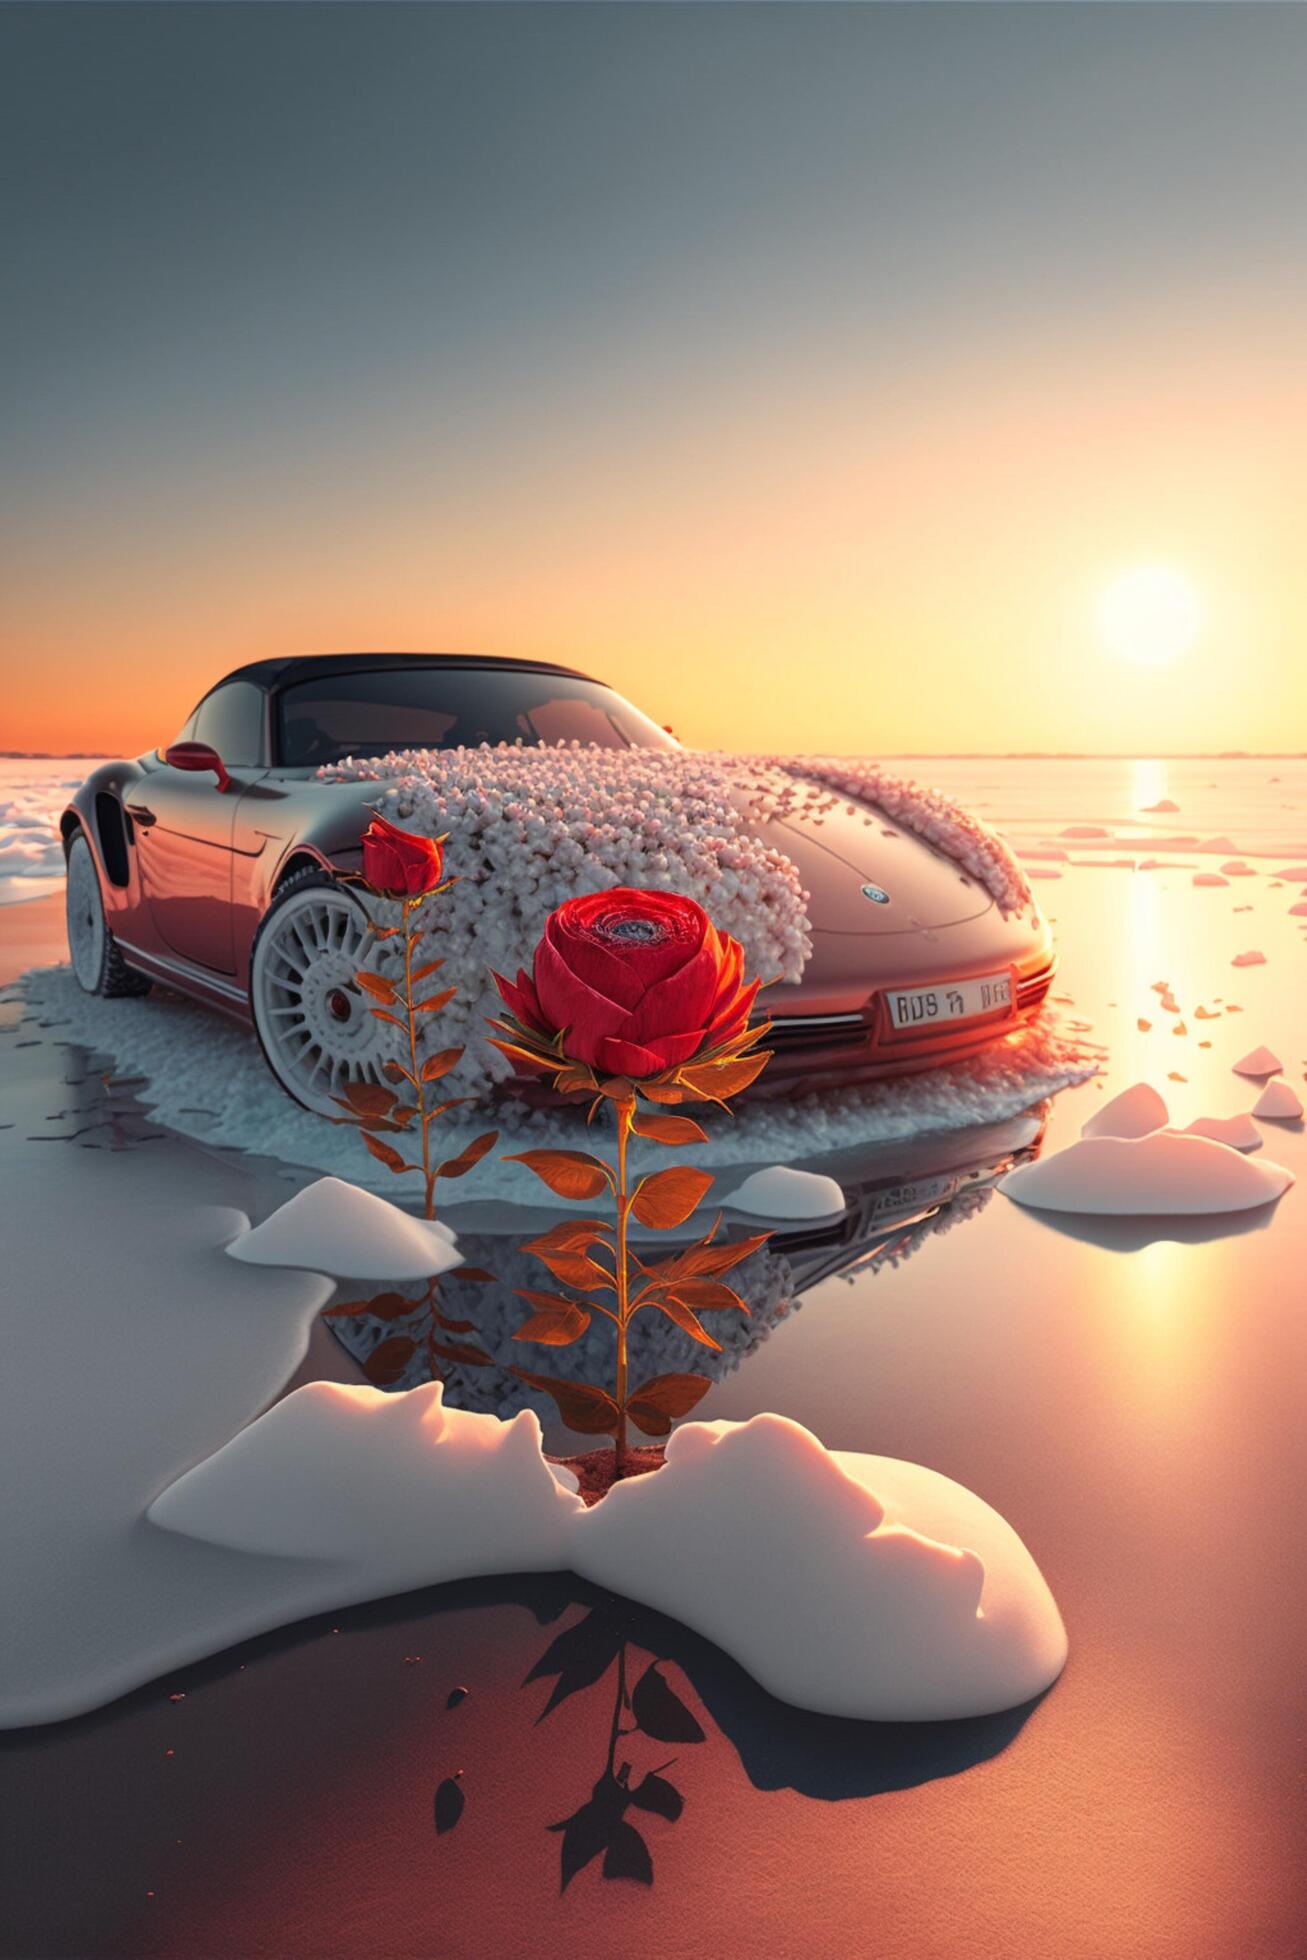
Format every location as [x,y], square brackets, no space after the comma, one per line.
[814,374]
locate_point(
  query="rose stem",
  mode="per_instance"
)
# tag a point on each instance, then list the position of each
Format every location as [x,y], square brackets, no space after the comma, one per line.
[419,1089]
[625,1112]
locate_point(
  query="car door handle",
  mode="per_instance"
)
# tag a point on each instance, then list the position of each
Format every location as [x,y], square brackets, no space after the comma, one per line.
[139,814]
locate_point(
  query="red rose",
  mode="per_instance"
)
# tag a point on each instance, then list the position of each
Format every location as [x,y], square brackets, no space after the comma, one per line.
[638,981]
[398,863]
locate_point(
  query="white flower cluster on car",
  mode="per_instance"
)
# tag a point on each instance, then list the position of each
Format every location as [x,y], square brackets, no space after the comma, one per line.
[529,827]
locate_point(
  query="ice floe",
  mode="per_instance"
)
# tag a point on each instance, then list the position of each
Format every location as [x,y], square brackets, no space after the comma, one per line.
[335,1228]
[1258,1061]
[404,1490]
[1236,1132]
[782,1192]
[1134,1113]
[852,1585]
[1164,806]
[1280,1101]
[1163,1174]
[1209,878]
[1252,958]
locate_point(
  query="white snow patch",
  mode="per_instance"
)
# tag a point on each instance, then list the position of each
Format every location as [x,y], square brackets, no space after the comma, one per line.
[404,1490]
[1236,1132]
[852,1585]
[781,1192]
[1253,958]
[1258,1061]
[1164,1174]
[335,1228]
[1280,1101]
[1134,1113]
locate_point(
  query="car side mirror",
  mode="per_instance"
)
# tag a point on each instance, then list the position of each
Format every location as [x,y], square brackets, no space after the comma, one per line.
[197,756]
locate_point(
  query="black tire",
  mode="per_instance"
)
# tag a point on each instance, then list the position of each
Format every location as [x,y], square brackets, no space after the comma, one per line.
[97,960]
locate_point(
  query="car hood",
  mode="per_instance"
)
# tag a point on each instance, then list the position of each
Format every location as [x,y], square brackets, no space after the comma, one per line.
[847,847]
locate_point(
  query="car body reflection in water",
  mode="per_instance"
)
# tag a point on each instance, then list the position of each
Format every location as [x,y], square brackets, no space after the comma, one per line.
[898,1198]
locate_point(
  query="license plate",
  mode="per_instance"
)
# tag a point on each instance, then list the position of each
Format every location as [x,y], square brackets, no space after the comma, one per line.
[901,1200]
[961,1000]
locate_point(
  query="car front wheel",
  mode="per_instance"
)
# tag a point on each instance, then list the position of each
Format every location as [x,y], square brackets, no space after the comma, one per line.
[314,1021]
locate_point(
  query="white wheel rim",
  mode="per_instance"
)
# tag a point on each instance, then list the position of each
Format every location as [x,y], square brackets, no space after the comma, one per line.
[85,913]
[314,1019]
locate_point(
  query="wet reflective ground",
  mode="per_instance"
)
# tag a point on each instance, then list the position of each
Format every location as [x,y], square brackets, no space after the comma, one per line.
[1130,1398]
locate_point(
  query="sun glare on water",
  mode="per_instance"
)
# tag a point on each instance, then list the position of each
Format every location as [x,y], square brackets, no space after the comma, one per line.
[1150,615]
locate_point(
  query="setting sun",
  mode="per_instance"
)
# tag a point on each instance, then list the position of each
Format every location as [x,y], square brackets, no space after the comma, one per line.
[1150,615]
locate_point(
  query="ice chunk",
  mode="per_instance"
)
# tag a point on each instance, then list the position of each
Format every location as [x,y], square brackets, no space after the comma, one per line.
[1209,878]
[1084,830]
[335,1228]
[916,1601]
[1292,872]
[1236,868]
[1133,1113]
[1050,871]
[1165,805]
[1253,958]
[1299,911]
[1218,844]
[779,1192]
[1237,1132]
[1279,1100]
[1163,1174]
[1258,1061]
[395,1485]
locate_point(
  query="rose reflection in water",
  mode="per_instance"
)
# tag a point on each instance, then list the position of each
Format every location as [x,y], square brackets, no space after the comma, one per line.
[899,1198]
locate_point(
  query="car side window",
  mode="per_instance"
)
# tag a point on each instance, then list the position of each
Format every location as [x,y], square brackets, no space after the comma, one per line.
[231,720]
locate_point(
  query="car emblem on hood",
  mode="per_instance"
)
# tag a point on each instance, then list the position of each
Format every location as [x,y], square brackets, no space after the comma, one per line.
[876,893]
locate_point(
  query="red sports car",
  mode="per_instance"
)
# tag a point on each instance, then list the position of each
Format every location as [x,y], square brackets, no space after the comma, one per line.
[212,865]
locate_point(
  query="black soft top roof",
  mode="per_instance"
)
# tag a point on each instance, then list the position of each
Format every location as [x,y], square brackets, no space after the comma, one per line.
[317,666]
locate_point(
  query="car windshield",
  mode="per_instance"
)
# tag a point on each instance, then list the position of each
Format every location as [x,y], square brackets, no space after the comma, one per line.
[374,710]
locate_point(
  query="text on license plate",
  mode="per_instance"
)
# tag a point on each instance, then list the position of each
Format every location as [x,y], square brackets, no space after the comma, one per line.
[920,1007]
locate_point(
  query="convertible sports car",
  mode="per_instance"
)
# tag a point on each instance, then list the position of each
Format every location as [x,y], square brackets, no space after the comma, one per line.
[212,865]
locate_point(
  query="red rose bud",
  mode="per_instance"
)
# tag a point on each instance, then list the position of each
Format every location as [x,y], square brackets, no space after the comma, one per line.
[398,863]
[641,982]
